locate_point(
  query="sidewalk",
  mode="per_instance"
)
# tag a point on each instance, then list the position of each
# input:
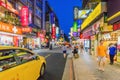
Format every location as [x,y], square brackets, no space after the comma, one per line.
[85,68]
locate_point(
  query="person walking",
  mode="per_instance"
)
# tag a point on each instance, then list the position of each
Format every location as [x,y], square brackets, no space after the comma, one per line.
[50,46]
[112,53]
[81,48]
[101,55]
[64,49]
[75,52]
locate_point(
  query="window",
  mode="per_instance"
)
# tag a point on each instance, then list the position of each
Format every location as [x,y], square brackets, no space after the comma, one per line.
[7,59]
[12,57]
[23,56]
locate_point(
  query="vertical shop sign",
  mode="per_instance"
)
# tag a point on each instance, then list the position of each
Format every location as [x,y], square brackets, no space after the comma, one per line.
[57,32]
[53,31]
[79,22]
[75,27]
[15,40]
[52,18]
[30,17]
[24,16]
[78,31]
[76,12]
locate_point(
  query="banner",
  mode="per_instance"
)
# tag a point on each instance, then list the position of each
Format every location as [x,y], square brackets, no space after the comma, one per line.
[53,31]
[24,16]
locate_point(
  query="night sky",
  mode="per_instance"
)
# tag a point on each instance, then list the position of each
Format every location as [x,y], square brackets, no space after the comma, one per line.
[64,12]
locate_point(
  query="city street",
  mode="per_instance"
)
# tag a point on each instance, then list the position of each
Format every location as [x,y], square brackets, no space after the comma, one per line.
[59,40]
[55,64]
[85,67]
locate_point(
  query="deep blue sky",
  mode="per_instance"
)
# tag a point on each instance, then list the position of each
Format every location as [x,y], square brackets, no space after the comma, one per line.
[64,11]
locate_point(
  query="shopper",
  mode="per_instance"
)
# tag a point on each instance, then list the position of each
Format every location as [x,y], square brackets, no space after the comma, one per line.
[64,49]
[50,46]
[81,48]
[112,53]
[101,56]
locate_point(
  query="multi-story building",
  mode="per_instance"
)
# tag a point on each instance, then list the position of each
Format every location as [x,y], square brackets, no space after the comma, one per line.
[21,21]
[95,26]
[52,23]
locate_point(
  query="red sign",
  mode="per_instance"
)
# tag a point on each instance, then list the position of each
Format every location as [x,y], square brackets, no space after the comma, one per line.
[8,7]
[15,40]
[53,31]
[42,37]
[24,16]
[26,29]
[116,26]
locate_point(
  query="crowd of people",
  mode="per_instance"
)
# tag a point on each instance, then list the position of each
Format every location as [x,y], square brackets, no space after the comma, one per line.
[102,54]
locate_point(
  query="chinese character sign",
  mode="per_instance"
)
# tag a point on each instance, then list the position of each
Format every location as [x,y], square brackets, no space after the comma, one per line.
[24,16]
[53,31]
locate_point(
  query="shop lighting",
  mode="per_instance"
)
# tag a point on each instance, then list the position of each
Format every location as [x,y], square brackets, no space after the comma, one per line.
[4,33]
[114,16]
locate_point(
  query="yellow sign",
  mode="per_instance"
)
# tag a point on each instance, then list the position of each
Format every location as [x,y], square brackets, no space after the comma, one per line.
[96,12]
[107,28]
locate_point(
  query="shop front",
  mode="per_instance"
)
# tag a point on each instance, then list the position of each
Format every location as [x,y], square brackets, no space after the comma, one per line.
[10,35]
[86,36]
[116,37]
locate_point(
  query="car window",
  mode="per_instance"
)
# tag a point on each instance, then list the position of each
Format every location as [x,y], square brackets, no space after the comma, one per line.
[22,56]
[13,57]
[7,59]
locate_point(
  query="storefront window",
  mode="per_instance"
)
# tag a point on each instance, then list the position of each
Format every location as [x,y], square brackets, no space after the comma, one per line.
[6,40]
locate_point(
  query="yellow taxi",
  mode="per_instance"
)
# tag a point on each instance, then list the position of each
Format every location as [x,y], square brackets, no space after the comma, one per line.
[20,64]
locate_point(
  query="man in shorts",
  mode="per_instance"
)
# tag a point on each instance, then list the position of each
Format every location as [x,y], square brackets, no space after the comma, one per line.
[101,55]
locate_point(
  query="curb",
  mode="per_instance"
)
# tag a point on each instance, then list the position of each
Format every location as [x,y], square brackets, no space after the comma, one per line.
[73,69]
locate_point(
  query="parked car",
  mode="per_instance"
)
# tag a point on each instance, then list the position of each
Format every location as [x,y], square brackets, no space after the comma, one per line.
[20,64]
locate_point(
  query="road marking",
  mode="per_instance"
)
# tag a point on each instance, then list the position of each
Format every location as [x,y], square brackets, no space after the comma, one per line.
[48,55]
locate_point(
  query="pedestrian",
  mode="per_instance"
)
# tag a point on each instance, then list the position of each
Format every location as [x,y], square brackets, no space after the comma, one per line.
[64,49]
[50,46]
[101,55]
[81,48]
[75,52]
[112,53]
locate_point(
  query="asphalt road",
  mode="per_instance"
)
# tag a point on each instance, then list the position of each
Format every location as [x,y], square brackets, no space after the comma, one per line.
[55,65]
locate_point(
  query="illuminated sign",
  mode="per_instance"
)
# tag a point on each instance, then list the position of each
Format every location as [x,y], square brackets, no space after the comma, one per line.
[75,27]
[116,26]
[10,28]
[26,29]
[79,22]
[83,13]
[75,34]
[30,16]
[76,12]
[52,18]
[57,30]
[24,16]
[53,31]
[95,13]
